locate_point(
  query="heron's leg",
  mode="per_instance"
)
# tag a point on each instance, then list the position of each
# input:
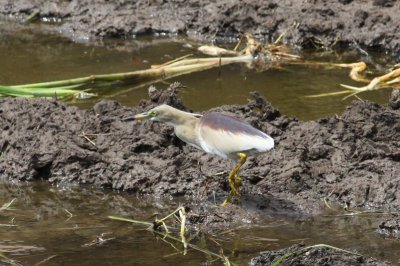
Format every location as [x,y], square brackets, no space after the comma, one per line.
[238,180]
[234,180]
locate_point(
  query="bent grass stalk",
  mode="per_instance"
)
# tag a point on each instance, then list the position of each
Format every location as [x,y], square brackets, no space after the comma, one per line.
[389,80]
[166,235]
[63,88]
[176,67]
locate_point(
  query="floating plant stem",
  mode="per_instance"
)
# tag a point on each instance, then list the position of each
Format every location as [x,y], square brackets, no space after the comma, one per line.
[254,55]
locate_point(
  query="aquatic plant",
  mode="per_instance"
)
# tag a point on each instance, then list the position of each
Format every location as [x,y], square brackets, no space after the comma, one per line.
[254,54]
[167,234]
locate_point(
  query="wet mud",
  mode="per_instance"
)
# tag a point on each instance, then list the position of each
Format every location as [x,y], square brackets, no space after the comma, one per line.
[315,256]
[390,227]
[312,24]
[350,160]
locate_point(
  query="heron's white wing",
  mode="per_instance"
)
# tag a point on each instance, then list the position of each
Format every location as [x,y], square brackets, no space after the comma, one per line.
[225,136]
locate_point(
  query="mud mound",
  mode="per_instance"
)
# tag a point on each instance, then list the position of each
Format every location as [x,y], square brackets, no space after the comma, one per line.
[315,256]
[353,159]
[390,227]
[320,23]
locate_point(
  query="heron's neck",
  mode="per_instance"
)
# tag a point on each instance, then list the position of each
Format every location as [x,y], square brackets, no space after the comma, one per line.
[185,128]
[180,118]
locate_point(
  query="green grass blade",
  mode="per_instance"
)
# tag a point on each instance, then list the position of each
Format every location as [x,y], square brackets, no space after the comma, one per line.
[37,92]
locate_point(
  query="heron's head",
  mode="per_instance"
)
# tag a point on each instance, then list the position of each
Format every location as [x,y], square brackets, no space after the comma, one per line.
[163,113]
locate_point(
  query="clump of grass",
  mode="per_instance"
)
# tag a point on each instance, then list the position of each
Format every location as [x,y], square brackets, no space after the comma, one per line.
[167,233]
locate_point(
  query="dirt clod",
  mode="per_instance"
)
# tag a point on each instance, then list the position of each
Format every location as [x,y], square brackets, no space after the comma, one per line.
[390,227]
[394,101]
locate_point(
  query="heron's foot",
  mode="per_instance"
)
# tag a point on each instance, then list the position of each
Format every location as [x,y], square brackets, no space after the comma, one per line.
[235,185]
[229,198]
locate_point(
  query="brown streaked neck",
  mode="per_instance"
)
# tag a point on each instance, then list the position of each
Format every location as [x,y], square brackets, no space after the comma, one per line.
[178,117]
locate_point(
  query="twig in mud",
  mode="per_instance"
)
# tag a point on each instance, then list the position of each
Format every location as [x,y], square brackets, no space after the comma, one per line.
[221,173]
[357,46]
[294,25]
[98,134]
[87,138]
[337,38]
[33,17]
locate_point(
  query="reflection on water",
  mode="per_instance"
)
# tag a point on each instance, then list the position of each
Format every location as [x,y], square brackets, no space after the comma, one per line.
[43,228]
[29,57]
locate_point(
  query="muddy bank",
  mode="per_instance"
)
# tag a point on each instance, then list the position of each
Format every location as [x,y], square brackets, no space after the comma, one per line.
[352,159]
[321,23]
[315,256]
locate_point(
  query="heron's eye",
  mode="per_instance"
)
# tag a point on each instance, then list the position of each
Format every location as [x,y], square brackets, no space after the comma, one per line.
[152,113]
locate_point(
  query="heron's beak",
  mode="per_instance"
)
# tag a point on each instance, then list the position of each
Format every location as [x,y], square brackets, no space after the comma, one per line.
[142,116]
[139,117]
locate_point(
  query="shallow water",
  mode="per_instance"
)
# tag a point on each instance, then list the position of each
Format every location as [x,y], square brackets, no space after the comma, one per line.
[30,57]
[42,226]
